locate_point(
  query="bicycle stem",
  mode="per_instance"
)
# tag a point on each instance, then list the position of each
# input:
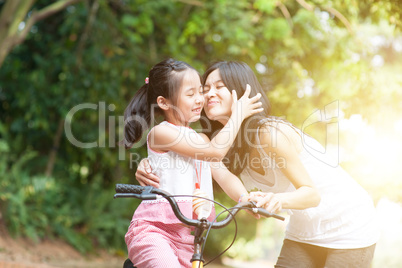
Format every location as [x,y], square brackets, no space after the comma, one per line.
[197,260]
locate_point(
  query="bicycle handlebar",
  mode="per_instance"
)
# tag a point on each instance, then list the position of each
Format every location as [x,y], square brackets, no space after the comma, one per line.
[151,193]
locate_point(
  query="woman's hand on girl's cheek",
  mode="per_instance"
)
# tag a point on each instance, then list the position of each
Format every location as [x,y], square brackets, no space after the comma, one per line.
[246,106]
[145,176]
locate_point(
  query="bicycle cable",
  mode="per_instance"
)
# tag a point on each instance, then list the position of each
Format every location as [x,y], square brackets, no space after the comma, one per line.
[225,209]
[209,229]
[235,235]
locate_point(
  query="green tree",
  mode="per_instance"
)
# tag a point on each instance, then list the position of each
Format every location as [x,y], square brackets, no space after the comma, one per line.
[15,25]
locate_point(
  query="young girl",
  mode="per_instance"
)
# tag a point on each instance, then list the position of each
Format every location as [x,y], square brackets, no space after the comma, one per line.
[177,155]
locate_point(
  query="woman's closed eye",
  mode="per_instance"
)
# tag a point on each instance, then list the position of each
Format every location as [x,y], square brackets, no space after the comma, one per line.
[220,85]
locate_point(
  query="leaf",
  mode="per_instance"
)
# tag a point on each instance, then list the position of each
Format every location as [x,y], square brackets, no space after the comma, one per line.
[277,28]
[266,6]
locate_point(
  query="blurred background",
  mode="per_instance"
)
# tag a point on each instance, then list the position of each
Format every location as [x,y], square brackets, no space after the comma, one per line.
[68,69]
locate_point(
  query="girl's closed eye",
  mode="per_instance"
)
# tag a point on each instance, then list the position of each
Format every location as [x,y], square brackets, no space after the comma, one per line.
[190,92]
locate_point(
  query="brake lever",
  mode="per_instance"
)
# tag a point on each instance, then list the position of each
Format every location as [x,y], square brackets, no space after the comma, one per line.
[254,207]
[264,212]
[147,195]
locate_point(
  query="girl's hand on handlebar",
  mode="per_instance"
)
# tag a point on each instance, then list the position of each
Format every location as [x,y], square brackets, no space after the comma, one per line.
[245,198]
[145,176]
[269,201]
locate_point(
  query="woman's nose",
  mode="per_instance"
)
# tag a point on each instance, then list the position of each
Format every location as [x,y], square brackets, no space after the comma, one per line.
[211,92]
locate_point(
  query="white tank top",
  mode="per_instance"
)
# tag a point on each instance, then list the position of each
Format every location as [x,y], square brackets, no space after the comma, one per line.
[177,173]
[177,176]
[345,217]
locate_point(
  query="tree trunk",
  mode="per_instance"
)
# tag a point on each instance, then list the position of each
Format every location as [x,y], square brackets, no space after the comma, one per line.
[13,13]
[87,29]
[53,151]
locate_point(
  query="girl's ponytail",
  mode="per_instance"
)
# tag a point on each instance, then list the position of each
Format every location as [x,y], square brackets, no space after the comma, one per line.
[136,117]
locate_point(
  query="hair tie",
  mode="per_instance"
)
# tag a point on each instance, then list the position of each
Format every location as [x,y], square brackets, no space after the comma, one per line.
[147,80]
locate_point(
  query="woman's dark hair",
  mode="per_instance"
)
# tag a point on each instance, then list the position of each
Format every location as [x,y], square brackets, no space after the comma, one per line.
[236,75]
[164,79]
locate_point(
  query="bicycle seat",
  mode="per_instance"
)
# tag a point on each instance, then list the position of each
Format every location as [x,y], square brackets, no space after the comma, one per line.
[128,264]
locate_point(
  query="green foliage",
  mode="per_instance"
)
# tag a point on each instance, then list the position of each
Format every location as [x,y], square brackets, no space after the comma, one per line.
[277,28]
[42,207]
[265,6]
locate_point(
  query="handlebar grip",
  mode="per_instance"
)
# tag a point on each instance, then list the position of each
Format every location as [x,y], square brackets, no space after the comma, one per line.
[268,214]
[129,188]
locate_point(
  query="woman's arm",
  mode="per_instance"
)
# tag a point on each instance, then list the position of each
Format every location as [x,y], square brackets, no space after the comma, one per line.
[278,144]
[163,138]
[144,174]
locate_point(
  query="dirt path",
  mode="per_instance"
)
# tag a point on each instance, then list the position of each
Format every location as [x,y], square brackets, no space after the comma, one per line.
[23,253]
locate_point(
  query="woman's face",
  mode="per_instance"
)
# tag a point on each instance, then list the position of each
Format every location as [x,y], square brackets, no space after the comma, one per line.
[218,99]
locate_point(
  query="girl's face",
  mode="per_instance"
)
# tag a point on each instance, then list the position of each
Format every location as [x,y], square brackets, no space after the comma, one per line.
[190,100]
[218,99]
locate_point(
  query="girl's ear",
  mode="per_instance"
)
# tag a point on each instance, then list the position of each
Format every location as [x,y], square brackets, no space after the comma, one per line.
[163,103]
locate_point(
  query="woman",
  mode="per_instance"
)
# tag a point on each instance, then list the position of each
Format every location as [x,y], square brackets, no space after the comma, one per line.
[332,218]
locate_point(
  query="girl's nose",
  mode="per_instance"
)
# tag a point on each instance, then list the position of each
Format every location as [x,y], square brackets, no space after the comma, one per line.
[199,98]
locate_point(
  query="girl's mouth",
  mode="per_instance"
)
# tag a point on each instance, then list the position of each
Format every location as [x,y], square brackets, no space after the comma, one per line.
[197,110]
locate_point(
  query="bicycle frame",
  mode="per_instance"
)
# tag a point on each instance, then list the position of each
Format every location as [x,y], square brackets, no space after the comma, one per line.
[151,193]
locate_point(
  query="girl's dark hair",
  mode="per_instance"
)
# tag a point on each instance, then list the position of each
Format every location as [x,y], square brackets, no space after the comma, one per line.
[164,79]
[236,75]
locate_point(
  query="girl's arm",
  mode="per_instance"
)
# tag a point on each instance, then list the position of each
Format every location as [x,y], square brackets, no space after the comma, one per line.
[229,182]
[282,149]
[164,138]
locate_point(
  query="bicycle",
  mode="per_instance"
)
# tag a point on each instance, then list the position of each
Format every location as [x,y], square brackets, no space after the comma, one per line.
[151,193]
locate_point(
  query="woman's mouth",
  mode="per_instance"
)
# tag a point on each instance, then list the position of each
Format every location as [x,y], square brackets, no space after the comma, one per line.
[212,103]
